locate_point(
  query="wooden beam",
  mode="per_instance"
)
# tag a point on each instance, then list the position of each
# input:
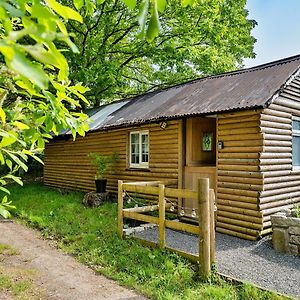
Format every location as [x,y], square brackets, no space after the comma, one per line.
[183,227]
[140,217]
[162,216]
[204,218]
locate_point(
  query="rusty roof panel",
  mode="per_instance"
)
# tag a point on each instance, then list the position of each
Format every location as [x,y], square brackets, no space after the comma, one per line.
[239,90]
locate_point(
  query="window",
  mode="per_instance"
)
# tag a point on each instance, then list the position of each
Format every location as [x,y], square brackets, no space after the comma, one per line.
[139,149]
[296,143]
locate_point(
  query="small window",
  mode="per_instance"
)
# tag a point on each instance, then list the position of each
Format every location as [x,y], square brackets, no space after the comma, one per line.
[296,143]
[139,149]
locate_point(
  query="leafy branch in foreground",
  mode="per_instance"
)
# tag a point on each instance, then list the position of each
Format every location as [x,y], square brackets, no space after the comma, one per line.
[36,96]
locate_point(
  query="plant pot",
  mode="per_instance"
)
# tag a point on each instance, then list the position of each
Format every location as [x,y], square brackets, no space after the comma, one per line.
[100,185]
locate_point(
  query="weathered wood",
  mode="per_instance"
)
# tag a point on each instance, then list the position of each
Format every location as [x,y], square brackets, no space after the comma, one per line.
[244,174]
[237,204]
[236,233]
[140,217]
[181,226]
[150,190]
[147,208]
[237,228]
[240,210]
[162,215]
[180,193]
[212,225]
[240,186]
[241,223]
[204,223]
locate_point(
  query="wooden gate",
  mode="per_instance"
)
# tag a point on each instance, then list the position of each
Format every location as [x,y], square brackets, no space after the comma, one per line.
[205,230]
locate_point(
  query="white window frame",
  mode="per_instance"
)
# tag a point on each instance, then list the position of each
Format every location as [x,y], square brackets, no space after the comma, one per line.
[295,132]
[140,164]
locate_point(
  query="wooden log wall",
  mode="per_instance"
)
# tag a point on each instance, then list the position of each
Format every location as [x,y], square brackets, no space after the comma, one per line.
[239,180]
[281,183]
[67,164]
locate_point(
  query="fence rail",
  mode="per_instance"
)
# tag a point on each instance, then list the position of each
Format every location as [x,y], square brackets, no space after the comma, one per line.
[204,229]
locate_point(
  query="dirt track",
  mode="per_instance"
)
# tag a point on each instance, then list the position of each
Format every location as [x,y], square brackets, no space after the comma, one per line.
[58,274]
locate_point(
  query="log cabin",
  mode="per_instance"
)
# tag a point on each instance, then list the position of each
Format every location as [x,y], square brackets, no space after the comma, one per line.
[240,129]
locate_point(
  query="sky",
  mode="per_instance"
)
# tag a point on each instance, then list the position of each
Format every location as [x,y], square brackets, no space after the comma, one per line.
[278,29]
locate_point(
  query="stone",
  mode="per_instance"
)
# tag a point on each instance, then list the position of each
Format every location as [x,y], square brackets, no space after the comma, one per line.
[279,220]
[93,199]
[293,249]
[293,221]
[279,239]
[286,212]
[295,239]
[294,230]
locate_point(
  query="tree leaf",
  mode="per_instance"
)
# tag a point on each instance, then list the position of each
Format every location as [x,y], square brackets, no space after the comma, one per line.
[18,161]
[17,61]
[64,11]
[142,16]
[78,4]
[185,3]
[4,212]
[130,3]
[5,190]
[15,178]
[161,5]
[2,115]
[7,141]
[154,26]
[9,163]
[2,160]
[20,125]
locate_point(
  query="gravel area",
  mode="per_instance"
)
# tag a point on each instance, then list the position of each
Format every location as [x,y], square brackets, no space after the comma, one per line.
[255,262]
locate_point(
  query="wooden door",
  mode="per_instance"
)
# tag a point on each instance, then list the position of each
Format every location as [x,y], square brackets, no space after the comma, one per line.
[200,160]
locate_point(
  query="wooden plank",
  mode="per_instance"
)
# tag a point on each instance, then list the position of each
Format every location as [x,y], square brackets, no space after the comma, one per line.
[182,226]
[162,216]
[140,217]
[204,224]
[180,193]
[212,225]
[147,208]
[151,190]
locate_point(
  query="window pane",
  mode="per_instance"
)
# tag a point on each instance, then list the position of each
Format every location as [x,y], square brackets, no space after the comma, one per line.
[134,147]
[296,150]
[296,124]
[134,138]
[134,158]
[145,148]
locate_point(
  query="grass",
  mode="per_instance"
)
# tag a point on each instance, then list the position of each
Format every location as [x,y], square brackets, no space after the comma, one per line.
[16,283]
[91,236]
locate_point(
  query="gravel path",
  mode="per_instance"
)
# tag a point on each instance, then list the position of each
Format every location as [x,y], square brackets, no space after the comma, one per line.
[255,262]
[58,274]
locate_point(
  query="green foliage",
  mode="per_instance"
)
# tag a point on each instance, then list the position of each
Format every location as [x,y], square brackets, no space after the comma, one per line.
[36,96]
[103,163]
[91,235]
[296,211]
[6,208]
[208,37]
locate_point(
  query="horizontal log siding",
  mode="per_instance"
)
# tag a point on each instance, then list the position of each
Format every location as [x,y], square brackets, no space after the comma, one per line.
[281,183]
[239,180]
[67,164]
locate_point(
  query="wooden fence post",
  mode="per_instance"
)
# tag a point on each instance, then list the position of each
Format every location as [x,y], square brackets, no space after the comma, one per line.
[212,225]
[162,215]
[204,223]
[120,209]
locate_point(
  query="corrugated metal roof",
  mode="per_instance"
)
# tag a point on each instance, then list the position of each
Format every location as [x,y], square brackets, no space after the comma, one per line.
[239,90]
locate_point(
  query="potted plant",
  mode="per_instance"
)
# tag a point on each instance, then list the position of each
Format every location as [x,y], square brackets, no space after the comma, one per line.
[102,164]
